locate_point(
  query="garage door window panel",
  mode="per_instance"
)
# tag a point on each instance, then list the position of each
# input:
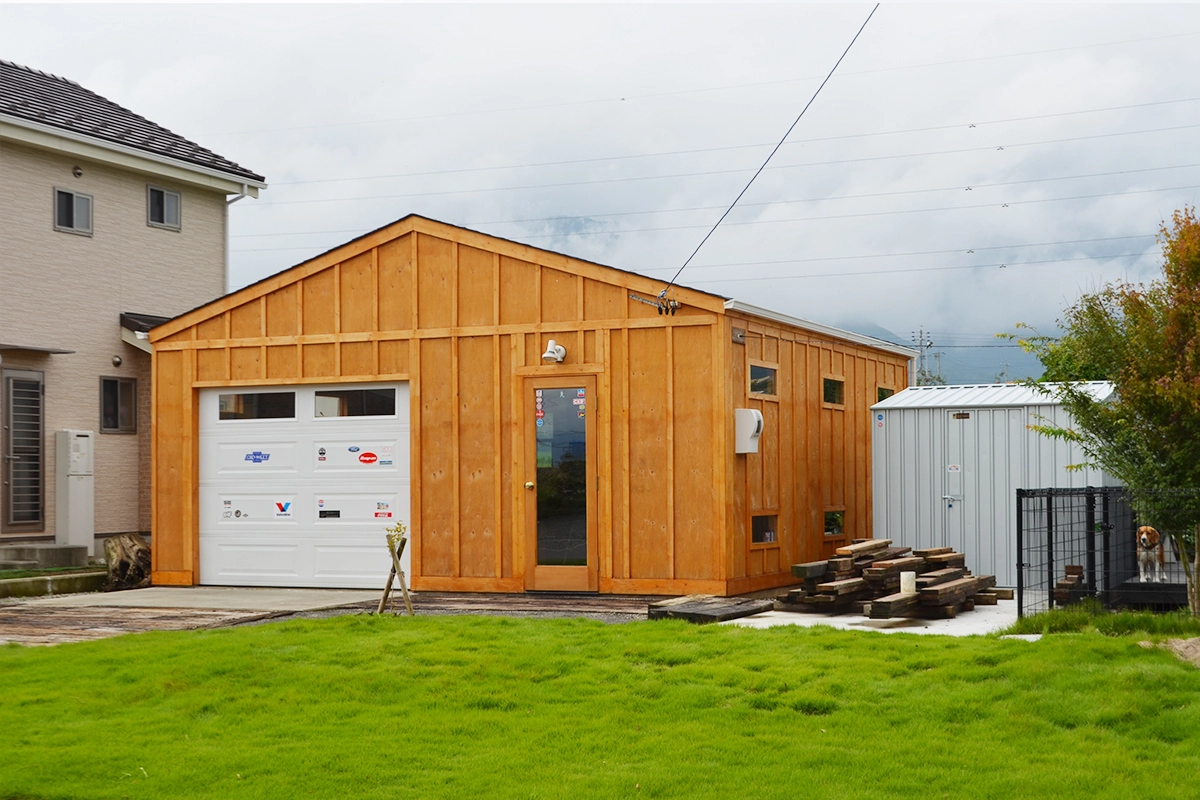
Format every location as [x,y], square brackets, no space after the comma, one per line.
[257,405]
[355,403]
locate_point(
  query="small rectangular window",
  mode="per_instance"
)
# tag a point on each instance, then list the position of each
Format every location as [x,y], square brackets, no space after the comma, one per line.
[834,391]
[72,212]
[763,529]
[118,405]
[162,208]
[356,403]
[762,380]
[883,393]
[835,523]
[258,405]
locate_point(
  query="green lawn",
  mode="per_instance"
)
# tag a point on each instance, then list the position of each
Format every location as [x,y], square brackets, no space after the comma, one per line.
[397,707]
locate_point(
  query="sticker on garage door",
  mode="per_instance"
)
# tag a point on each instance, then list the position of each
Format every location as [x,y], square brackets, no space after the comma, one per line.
[356,507]
[354,455]
[256,508]
[255,458]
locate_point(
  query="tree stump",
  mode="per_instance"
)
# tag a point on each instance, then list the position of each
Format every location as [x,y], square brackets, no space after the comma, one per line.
[128,557]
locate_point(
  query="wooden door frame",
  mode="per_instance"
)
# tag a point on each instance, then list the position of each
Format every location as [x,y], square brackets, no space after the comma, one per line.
[554,578]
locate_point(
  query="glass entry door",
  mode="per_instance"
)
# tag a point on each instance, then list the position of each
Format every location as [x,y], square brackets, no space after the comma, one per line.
[560,485]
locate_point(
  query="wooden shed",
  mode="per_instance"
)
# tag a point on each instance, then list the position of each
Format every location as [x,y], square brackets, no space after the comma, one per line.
[409,375]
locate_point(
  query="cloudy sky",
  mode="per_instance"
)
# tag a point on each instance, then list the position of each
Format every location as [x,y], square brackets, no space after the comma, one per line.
[967,167]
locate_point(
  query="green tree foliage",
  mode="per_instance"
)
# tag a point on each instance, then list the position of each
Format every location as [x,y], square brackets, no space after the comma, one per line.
[1146,340]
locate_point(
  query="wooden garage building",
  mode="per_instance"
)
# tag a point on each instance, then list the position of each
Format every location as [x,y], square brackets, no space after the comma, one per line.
[409,375]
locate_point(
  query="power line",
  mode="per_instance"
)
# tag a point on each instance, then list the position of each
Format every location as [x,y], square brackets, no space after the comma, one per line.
[905,270]
[662,295]
[707,173]
[784,220]
[727,87]
[959,250]
[696,151]
[995,205]
[761,204]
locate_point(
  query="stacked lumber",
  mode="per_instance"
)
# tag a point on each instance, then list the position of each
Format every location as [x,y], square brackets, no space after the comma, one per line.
[865,576]
[1070,588]
[840,583]
[941,600]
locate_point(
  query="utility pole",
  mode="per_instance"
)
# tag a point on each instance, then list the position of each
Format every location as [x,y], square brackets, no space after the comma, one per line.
[923,342]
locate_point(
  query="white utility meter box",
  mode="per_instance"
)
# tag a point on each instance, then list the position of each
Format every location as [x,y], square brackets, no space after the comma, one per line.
[747,427]
[75,493]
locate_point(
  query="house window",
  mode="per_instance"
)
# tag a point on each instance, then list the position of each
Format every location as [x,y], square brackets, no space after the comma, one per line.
[118,405]
[162,208]
[763,529]
[355,403]
[762,380]
[72,212]
[835,523]
[883,393]
[258,405]
[834,391]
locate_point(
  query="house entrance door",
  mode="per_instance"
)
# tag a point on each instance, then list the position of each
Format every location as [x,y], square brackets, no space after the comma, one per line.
[561,482]
[22,435]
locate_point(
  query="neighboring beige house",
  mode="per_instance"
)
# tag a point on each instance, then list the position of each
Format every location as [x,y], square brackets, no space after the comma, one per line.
[109,224]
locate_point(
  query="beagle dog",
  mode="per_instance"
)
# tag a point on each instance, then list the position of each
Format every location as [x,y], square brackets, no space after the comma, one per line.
[1150,553]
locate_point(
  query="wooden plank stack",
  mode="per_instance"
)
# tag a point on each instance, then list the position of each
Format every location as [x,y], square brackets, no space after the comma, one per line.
[865,576]
[1071,588]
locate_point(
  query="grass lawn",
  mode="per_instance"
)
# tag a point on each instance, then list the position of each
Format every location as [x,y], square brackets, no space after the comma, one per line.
[471,706]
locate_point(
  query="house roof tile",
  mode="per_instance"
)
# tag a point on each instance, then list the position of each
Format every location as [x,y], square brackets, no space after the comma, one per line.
[40,97]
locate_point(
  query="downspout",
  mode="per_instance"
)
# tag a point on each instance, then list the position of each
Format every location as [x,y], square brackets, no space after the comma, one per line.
[243,195]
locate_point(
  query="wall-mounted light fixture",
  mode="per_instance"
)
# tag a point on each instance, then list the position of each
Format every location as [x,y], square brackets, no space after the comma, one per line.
[554,352]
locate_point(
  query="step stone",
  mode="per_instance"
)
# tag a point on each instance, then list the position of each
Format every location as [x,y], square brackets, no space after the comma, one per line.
[47,555]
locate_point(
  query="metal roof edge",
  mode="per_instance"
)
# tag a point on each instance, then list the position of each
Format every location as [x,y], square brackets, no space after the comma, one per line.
[148,155]
[829,330]
[1021,395]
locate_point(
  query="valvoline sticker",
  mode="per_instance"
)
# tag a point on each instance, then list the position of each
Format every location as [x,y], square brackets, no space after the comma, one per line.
[368,458]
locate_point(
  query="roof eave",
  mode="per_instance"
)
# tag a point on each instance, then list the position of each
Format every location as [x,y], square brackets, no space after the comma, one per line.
[817,327]
[55,139]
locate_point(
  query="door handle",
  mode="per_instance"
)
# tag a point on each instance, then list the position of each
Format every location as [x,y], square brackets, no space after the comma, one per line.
[529,485]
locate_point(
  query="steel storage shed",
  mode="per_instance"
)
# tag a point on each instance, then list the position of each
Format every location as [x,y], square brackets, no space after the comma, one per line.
[532,417]
[948,461]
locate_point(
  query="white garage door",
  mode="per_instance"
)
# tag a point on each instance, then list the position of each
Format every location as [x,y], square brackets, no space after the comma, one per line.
[297,484]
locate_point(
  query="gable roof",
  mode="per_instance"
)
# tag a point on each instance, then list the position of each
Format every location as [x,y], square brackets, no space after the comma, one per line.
[633,281]
[44,99]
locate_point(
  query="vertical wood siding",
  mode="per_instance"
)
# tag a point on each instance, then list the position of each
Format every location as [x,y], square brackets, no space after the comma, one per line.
[464,318]
[813,457]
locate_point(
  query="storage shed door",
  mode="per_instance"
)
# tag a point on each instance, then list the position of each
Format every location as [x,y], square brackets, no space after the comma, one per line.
[297,484]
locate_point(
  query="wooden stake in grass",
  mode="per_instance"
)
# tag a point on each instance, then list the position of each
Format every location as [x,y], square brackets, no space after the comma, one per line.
[397,538]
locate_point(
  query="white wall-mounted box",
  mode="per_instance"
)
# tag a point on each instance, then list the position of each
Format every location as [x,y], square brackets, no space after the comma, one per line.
[747,428]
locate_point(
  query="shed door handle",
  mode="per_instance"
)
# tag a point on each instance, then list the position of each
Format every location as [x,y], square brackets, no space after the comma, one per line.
[529,485]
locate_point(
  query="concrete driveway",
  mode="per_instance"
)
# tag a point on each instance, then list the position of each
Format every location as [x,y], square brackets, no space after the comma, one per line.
[98,615]
[216,598]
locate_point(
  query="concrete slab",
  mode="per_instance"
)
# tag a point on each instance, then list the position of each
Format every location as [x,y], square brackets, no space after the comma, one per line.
[983,620]
[215,598]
